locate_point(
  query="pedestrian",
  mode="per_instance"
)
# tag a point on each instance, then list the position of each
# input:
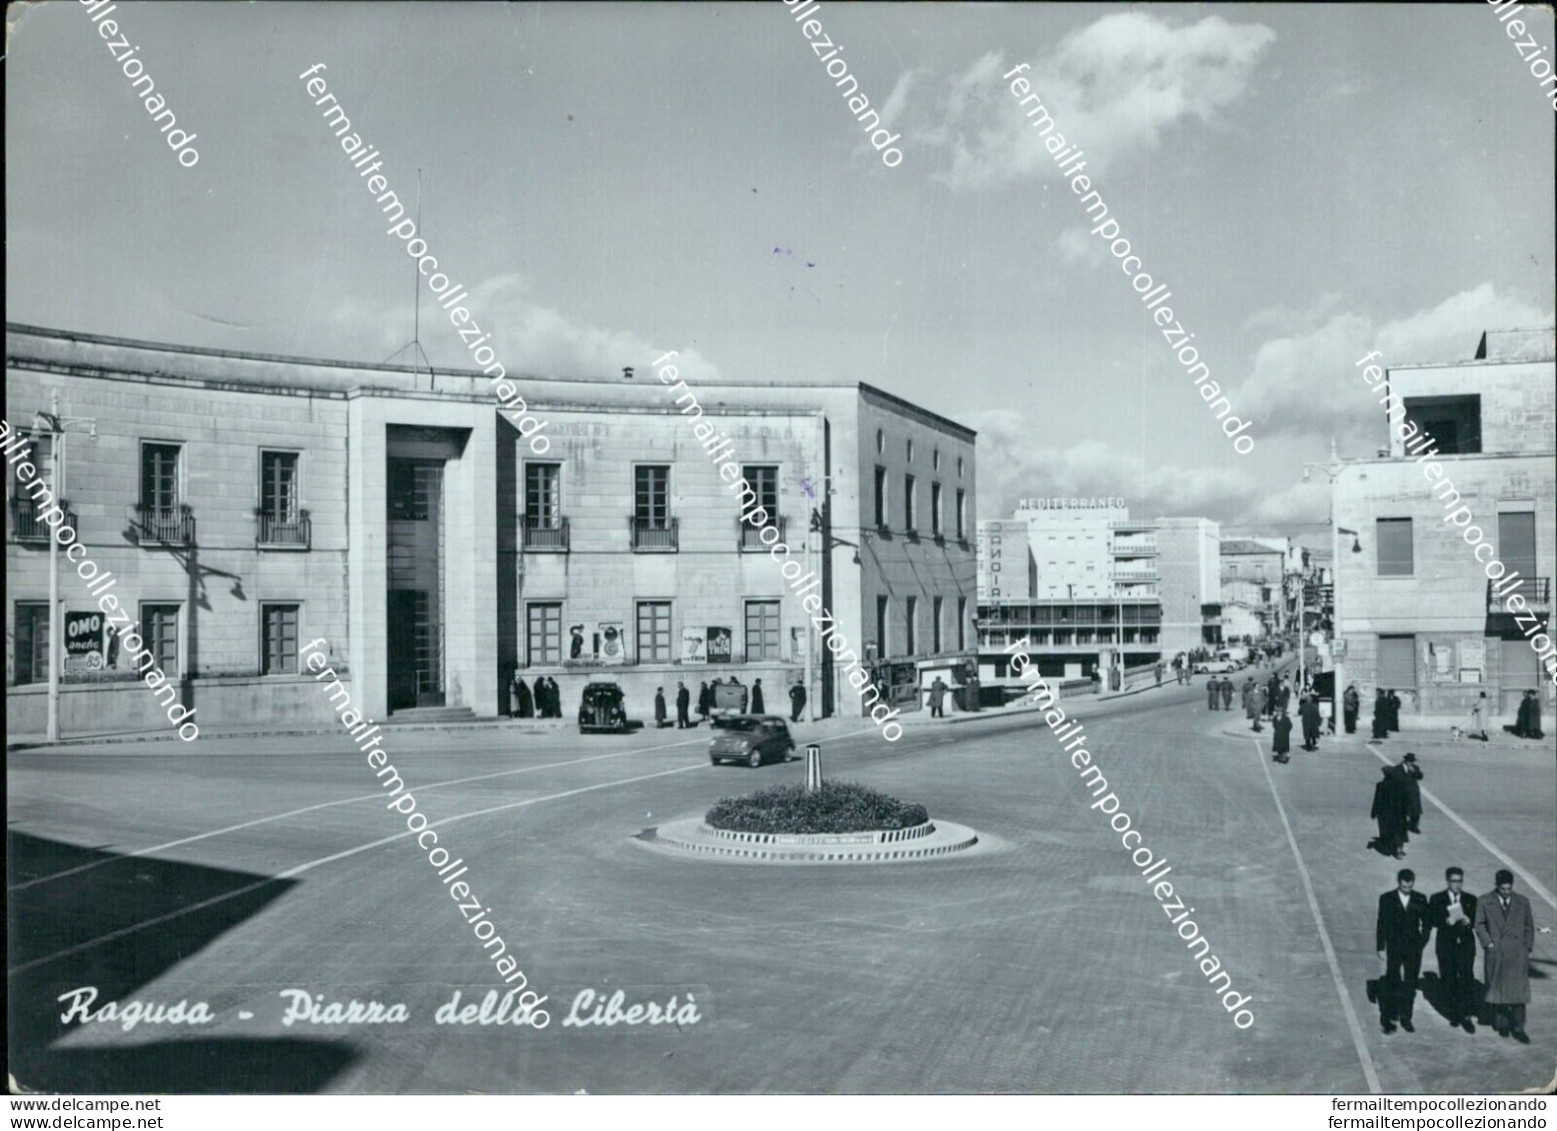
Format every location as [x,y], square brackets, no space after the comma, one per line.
[1284,693]
[797,701]
[1410,775]
[1259,706]
[1213,692]
[1452,912]
[1505,927]
[659,708]
[683,701]
[1533,719]
[1309,713]
[1478,718]
[1394,711]
[1097,681]
[542,698]
[1521,717]
[1281,743]
[758,707]
[937,696]
[1389,810]
[1380,716]
[705,700]
[1227,693]
[1400,936]
[1158,669]
[1272,692]
[524,706]
[1351,702]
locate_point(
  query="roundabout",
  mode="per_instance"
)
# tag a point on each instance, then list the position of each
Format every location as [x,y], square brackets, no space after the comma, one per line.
[931,840]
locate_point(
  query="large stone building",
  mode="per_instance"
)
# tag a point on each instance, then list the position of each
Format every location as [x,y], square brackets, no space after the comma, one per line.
[1254,572]
[248,504]
[1188,560]
[1460,500]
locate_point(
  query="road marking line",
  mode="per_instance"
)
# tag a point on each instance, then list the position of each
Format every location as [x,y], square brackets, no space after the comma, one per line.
[1368,1070]
[299,869]
[1535,884]
[327,805]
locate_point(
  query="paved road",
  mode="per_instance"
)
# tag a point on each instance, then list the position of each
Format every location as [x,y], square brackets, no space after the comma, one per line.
[1040,963]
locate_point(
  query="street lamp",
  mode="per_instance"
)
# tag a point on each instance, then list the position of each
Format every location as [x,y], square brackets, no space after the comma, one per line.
[1332,470]
[57,427]
[828,542]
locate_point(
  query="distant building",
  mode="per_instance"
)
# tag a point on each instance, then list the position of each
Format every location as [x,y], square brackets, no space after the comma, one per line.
[247,504]
[1424,609]
[1252,583]
[1091,595]
[1189,562]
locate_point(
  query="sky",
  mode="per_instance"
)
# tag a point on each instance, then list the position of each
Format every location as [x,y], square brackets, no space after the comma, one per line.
[611,181]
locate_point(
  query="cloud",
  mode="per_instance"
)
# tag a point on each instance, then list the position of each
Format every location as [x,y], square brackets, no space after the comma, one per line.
[1113,87]
[1078,245]
[527,336]
[1308,383]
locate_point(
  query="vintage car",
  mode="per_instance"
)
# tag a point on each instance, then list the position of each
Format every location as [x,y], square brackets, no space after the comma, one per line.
[602,708]
[1216,667]
[752,739]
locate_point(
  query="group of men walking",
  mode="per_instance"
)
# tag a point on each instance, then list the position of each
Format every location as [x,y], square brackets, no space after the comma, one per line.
[1502,922]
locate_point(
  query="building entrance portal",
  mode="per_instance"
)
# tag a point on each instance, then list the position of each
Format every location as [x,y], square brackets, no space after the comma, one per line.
[415,606]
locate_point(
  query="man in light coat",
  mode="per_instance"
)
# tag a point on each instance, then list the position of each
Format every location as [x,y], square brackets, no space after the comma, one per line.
[1505,927]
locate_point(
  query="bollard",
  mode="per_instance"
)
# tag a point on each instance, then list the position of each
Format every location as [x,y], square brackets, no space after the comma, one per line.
[813,767]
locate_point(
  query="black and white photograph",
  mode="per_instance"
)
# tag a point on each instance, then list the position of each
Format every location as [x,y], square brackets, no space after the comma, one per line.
[791,548]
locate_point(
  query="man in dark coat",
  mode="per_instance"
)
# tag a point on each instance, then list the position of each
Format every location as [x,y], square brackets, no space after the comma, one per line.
[1284,694]
[659,707]
[554,693]
[1410,776]
[1272,693]
[705,700]
[1452,913]
[1213,692]
[1400,937]
[1351,703]
[797,701]
[1389,810]
[1257,707]
[758,707]
[1380,716]
[542,698]
[524,706]
[1227,693]
[1309,713]
[683,701]
[938,698]
[1505,927]
[1533,720]
[1281,744]
[1394,711]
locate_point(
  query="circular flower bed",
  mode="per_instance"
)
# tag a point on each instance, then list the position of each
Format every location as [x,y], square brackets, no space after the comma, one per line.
[838,807]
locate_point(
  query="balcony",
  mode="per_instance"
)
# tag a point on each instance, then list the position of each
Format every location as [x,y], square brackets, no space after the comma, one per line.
[27,525]
[653,536]
[1537,592]
[281,532]
[1135,575]
[749,537]
[171,526]
[545,535]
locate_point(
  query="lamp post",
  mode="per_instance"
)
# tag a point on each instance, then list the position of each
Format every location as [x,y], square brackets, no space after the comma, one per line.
[1332,470]
[828,544]
[57,427]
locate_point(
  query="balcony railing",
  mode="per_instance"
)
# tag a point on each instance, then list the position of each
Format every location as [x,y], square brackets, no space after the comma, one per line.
[173,526]
[279,530]
[653,535]
[27,524]
[546,535]
[750,537]
[1537,592]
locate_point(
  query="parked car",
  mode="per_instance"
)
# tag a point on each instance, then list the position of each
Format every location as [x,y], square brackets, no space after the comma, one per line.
[752,739]
[602,709]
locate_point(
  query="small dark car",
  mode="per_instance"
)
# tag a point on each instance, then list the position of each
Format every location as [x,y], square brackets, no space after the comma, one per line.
[602,709]
[752,739]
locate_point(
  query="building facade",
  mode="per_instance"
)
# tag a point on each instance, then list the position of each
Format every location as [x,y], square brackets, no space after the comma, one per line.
[1469,463]
[1092,600]
[248,504]
[1189,562]
[1253,587]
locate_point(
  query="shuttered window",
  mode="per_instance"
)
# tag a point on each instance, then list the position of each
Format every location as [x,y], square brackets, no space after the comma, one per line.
[1393,538]
[1397,661]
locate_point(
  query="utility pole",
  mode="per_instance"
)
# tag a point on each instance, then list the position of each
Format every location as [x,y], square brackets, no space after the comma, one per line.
[56,427]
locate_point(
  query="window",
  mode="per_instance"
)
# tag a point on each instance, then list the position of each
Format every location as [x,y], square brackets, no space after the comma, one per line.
[651,496]
[911,624]
[763,480]
[881,442]
[935,459]
[32,643]
[1397,661]
[1516,550]
[910,450]
[959,467]
[278,643]
[762,631]
[881,497]
[962,623]
[654,632]
[1393,538]
[279,486]
[935,509]
[543,633]
[159,629]
[962,514]
[937,609]
[415,486]
[909,517]
[882,649]
[542,496]
[1453,423]
[159,478]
